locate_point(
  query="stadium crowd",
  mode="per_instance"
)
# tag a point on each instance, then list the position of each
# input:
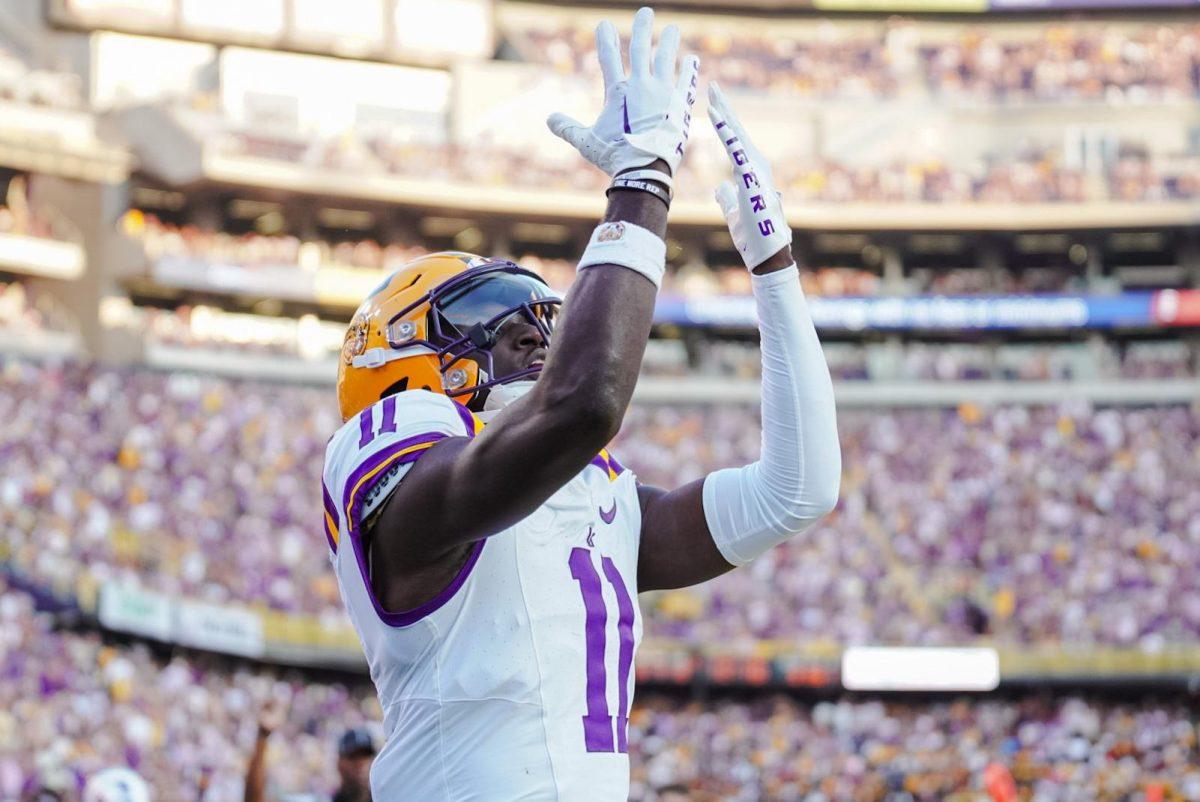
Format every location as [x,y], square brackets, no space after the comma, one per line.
[1119,62]
[72,704]
[1036,174]
[202,249]
[1028,525]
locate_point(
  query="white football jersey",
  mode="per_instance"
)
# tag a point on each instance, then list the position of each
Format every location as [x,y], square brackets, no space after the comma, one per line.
[516,681]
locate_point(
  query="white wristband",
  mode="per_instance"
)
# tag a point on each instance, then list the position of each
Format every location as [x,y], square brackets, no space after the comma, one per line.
[627,245]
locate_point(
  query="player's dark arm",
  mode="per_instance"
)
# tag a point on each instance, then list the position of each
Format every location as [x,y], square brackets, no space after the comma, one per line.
[270,718]
[677,548]
[463,490]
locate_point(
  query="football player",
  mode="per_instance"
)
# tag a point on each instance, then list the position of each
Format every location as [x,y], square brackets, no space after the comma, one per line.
[488,548]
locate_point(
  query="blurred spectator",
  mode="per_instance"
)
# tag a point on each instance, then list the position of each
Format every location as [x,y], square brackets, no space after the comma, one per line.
[20,216]
[356,752]
[251,250]
[71,705]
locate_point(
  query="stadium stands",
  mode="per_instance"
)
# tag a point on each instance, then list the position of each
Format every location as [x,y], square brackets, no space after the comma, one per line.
[24,84]
[1133,63]
[72,704]
[1022,525]
[1036,175]
[987,157]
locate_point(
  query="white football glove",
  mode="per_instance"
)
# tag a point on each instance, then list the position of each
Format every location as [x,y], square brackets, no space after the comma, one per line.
[646,116]
[750,202]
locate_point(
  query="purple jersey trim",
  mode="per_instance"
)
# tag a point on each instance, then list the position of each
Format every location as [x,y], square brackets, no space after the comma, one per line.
[331,515]
[468,419]
[606,465]
[403,619]
[352,502]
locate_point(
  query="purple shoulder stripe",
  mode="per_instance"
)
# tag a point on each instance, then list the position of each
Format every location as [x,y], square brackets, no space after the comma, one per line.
[607,464]
[331,511]
[352,502]
[349,500]
[467,418]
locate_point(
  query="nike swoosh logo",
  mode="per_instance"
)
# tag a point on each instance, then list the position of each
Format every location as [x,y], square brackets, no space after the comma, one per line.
[611,515]
[625,111]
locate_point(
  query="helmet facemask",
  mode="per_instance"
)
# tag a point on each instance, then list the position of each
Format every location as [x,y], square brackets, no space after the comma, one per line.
[466,315]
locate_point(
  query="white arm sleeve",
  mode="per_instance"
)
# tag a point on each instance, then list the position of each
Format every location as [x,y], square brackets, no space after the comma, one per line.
[795,481]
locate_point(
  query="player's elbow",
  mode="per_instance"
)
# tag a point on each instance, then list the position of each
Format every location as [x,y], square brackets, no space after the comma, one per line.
[798,508]
[591,419]
[825,499]
[823,496]
[598,420]
[799,515]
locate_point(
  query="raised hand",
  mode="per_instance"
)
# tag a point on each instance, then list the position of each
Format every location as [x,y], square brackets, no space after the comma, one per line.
[271,715]
[647,114]
[750,202]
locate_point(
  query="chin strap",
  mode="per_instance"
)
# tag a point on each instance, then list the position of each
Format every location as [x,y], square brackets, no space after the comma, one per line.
[501,396]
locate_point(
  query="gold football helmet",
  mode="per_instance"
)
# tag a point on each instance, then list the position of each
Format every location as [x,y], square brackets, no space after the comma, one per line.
[431,325]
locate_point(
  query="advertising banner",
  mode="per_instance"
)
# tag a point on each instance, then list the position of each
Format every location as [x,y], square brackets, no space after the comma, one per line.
[137,611]
[1177,307]
[219,628]
[948,313]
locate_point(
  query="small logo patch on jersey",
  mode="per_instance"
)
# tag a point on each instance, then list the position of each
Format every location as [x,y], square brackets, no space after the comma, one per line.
[591,538]
[611,232]
[609,516]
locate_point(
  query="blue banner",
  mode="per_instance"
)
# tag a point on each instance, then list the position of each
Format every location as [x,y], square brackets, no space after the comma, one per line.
[929,312]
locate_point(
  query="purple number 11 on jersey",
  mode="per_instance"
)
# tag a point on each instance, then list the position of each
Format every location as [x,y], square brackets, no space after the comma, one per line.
[598,724]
